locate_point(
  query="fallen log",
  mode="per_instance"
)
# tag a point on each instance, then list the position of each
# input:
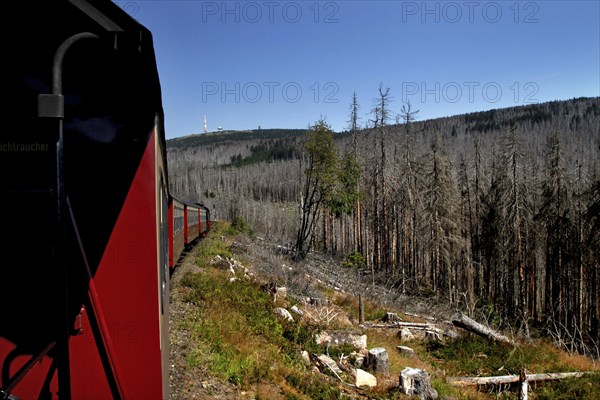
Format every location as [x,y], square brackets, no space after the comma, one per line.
[391,326]
[506,379]
[396,324]
[462,321]
[428,328]
[411,325]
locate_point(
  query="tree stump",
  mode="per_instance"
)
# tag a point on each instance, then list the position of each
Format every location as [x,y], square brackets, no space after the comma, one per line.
[378,360]
[391,317]
[416,382]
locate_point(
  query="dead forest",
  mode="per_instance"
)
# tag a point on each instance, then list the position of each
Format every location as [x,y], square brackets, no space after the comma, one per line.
[496,212]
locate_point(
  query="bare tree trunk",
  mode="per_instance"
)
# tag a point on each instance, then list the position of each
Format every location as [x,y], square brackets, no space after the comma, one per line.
[359,240]
[361,310]
[332,247]
[520,256]
[324,229]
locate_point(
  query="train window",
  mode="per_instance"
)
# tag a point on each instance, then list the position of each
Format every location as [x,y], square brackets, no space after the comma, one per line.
[178,222]
[164,245]
[192,217]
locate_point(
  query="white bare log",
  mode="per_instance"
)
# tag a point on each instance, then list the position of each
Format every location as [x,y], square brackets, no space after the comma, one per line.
[505,379]
[428,328]
[462,321]
[415,325]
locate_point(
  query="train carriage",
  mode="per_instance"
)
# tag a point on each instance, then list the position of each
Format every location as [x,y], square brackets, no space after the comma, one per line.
[192,224]
[205,223]
[177,224]
[84,310]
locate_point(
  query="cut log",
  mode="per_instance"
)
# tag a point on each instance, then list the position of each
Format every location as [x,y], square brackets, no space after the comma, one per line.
[462,321]
[410,325]
[505,379]
[430,329]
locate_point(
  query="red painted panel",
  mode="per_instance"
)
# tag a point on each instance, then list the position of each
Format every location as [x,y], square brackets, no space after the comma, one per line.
[185,222]
[30,386]
[176,237]
[88,376]
[127,285]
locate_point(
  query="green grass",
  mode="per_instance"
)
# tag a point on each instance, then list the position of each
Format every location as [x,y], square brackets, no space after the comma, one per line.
[478,356]
[213,245]
[235,327]
[587,387]
[235,335]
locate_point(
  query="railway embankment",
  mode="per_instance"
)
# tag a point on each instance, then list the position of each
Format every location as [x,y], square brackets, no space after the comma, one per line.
[247,322]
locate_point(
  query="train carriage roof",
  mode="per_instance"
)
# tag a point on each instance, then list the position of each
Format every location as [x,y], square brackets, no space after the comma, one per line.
[42,27]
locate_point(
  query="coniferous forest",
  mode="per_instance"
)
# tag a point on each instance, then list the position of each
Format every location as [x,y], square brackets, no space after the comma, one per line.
[496,210]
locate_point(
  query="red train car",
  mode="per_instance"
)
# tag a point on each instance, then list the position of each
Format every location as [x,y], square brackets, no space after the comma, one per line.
[177,230]
[205,223]
[192,224]
[84,309]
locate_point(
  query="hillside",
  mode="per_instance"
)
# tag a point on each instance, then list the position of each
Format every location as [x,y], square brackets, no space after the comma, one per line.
[497,211]
[229,137]
[199,163]
[574,115]
[234,148]
[227,342]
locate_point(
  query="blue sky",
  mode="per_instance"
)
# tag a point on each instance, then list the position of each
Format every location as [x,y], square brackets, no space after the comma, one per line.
[283,64]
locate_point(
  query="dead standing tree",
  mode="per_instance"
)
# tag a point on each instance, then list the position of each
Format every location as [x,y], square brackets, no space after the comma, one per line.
[354,126]
[381,229]
[515,209]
